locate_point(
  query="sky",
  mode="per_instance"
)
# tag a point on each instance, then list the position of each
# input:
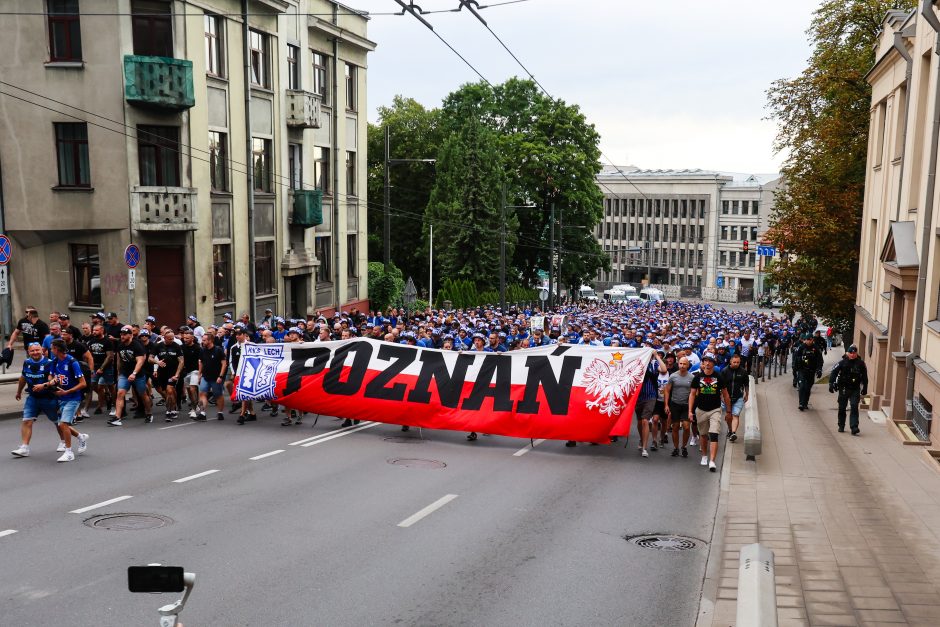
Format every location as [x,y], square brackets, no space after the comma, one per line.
[667,84]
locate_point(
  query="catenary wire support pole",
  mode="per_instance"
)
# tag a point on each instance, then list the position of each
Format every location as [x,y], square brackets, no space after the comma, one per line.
[246,56]
[502,249]
[387,218]
[551,259]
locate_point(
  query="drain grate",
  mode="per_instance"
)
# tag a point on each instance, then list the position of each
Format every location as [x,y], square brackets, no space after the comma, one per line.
[404,439]
[665,542]
[417,463]
[128,522]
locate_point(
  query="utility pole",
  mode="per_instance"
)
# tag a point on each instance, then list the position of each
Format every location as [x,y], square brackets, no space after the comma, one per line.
[551,260]
[502,249]
[431,268]
[649,263]
[387,217]
[249,159]
[561,248]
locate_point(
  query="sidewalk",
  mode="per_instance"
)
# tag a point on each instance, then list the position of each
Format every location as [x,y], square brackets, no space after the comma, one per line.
[854,522]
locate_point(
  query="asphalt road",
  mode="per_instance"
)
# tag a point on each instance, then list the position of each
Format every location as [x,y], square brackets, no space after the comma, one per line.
[314,535]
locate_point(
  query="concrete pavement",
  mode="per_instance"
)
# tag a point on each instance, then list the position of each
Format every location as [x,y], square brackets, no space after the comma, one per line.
[854,522]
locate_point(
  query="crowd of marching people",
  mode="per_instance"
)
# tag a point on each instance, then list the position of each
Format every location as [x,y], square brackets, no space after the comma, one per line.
[699,379]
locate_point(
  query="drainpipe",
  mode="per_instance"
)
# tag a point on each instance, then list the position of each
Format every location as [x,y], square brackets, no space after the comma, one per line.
[250,180]
[6,308]
[902,50]
[336,193]
[926,9]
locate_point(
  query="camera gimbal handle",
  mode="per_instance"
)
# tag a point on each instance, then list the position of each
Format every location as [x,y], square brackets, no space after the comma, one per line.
[169,614]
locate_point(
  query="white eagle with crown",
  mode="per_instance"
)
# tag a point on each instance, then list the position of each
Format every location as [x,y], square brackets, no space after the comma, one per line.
[608,384]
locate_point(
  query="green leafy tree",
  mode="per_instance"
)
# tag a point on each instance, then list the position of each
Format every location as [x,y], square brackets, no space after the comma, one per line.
[385,289]
[823,117]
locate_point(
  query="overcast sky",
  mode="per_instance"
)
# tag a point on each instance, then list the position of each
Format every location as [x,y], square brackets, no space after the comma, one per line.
[668,84]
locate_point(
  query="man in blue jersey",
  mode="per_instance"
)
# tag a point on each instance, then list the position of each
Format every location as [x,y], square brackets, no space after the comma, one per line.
[68,382]
[40,396]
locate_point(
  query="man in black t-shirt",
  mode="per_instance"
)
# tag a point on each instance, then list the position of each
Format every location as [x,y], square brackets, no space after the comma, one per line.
[30,328]
[189,385]
[212,362]
[167,356]
[79,351]
[705,398]
[103,377]
[131,359]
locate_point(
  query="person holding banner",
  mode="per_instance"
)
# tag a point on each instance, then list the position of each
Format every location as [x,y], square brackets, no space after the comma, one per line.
[646,417]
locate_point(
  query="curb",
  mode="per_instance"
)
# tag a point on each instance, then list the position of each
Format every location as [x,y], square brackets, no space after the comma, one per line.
[706,608]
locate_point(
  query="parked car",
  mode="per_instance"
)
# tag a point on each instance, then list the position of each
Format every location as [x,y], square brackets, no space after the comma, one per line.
[836,337]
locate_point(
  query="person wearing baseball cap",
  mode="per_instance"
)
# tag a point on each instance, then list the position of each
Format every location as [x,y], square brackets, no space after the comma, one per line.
[708,392]
[850,378]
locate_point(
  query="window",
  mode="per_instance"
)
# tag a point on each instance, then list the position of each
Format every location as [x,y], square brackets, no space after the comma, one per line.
[218,161]
[723,258]
[351,173]
[222,253]
[755,207]
[321,168]
[616,202]
[71,144]
[215,44]
[675,208]
[753,233]
[658,209]
[352,256]
[65,33]
[351,91]
[734,207]
[323,250]
[258,51]
[607,230]
[293,67]
[261,162]
[86,275]
[295,165]
[633,207]
[152,28]
[632,231]
[321,83]
[158,155]
[682,233]
[724,232]
[264,267]
[881,120]
[701,208]
[734,232]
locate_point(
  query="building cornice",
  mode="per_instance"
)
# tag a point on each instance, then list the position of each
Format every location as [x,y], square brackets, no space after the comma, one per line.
[341,34]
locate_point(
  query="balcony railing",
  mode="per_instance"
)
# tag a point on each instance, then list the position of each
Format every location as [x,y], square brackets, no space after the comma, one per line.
[308,207]
[921,418]
[164,208]
[303,109]
[159,82]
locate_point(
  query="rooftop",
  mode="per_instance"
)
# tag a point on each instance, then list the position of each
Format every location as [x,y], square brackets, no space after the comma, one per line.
[732,179]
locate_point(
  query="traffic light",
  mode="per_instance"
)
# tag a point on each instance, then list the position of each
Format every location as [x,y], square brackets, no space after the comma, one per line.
[745,245]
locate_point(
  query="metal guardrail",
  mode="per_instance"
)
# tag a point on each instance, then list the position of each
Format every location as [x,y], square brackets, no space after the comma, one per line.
[757,593]
[752,437]
[921,418]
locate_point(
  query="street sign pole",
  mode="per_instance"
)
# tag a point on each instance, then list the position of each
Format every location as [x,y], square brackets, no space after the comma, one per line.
[6,307]
[131,260]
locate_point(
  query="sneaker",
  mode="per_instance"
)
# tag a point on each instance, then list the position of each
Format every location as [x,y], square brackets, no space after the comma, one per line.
[685,452]
[84,413]
[236,407]
[405,428]
[112,414]
[61,447]
[168,418]
[115,422]
[704,461]
[653,446]
[82,443]
[693,440]
[201,416]
[675,452]
[571,443]
[855,431]
[348,423]
[98,412]
[21,451]
[733,437]
[728,435]
[274,412]
[712,467]
[240,421]
[67,456]
[192,414]
[149,418]
[78,419]
[472,437]
[220,416]
[265,407]
[161,403]
[299,419]
[841,429]
[251,417]
[287,422]
[644,453]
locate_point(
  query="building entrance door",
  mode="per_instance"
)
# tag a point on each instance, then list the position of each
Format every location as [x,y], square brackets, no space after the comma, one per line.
[166,285]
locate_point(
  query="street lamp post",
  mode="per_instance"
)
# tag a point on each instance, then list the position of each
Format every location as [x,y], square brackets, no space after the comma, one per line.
[502,244]
[387,225]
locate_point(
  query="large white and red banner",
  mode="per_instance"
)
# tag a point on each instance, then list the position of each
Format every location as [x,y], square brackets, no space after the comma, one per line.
[558,392]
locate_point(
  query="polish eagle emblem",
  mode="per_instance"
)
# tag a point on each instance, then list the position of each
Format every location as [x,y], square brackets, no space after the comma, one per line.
[608,384]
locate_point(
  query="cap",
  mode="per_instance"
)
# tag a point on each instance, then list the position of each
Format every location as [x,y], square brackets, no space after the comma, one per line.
[852,349]
[295,330]
[150,319]
[111,314]
[143,332]
[126,329]
[268,310]
[193,318]
[709,357]
[227,314]
[101,315]
[64,316]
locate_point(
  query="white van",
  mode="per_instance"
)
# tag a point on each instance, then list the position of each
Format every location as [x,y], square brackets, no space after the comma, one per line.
[621,293]
[587,293]
[651,294]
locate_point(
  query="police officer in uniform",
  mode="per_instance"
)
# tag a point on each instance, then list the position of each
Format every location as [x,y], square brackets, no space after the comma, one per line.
[807,362]
[850,377]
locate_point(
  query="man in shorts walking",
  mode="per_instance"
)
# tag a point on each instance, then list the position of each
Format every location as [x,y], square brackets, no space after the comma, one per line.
[40,396]
[69,382]
[707,394]
[131,359]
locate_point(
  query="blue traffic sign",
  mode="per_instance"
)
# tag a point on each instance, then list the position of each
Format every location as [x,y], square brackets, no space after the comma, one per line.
[766,251]
[6,250]
[132,256]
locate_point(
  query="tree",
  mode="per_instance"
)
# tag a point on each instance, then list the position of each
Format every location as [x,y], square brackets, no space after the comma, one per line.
[465,205]
[414,134]
[385,289]
[823,118]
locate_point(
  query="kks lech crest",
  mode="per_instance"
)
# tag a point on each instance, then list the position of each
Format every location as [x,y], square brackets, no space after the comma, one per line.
[258,372]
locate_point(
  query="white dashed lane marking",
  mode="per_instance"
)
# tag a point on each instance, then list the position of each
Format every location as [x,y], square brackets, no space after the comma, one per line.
[262,456]
[365,425]
[7,532]
[525,450]
[82,510]
[196,476]
[430,509]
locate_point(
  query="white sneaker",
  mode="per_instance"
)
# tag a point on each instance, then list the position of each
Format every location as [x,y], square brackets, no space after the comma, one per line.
[693,440]
[112,413]
[644,453]
[115,422]
[704,460]
[712,467]
[84,414]
[82,442]
[67,456]
[22,451]
[61,447]
[192,413]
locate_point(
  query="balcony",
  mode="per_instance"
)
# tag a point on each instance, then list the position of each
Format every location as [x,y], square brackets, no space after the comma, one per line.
[308,207]
[164,208]
[298,261]
[303,109]
[158,82]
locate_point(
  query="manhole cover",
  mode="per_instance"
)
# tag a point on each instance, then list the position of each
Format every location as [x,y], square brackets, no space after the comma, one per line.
[128,522]
[404,439]
[417,463]
[665,542]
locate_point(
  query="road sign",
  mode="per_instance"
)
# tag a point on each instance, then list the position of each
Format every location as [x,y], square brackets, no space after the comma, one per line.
[4,282]
[543,295]
[131,278]
[6,250]
[766,251]
[132,256]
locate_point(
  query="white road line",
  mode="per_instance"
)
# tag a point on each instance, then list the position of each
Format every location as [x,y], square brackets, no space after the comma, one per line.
[82,510]
[366,425]
[430,509]
[7,532]
[257,457]
[322,435]
[182,424]
[196,476]
[525,450]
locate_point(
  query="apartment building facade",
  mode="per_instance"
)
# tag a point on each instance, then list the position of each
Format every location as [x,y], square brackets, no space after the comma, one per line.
[683,227]
[897,321]
[221,151]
